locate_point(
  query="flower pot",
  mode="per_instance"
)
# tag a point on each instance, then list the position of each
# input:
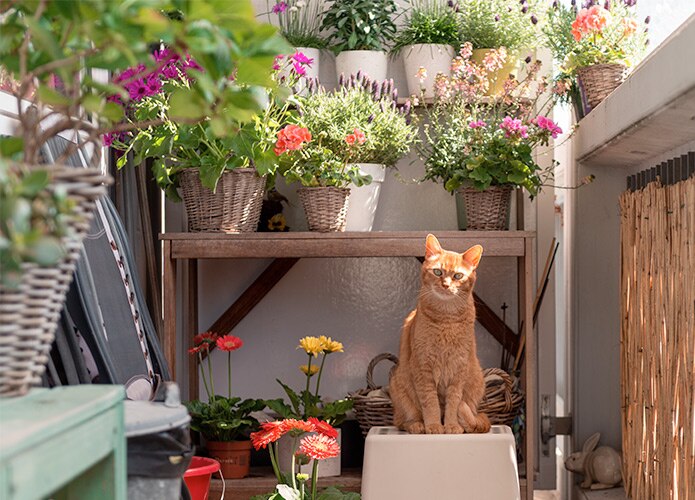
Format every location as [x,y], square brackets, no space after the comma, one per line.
[364,199]
[325,207]
[315,54]
[234,457]
[198,475]
[288,444]
[435,58]
[234,207]
[373,63]
[599,80]
[29,313]
[498,77]
[484,210]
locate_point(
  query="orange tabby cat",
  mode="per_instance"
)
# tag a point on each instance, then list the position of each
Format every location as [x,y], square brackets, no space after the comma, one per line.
[438,383]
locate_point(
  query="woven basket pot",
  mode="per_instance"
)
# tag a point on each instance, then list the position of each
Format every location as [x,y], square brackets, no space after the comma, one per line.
[599,80]
[372,405]
[234,207]
[484,210]
[325,207]
[29,313]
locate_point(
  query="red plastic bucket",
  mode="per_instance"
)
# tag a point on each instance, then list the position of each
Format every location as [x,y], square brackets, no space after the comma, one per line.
[197,476]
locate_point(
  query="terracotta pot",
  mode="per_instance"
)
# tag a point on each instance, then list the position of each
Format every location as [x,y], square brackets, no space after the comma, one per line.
[234,457]
[497,78]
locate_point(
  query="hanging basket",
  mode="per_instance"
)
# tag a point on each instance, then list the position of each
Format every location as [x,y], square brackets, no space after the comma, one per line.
[234,207]
[599,80]
[325,207]
[484,210]
[501,403]
[29,313]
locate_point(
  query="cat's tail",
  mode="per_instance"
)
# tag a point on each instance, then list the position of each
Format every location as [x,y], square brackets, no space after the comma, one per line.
[472,421]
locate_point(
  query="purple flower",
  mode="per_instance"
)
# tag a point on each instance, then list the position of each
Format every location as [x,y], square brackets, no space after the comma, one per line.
[165,55]
[170,72]
[497,18]
[299,68]
[191,63]
[524,9]
[107,139]
[137,89]
[647,19]
[279,7]
[154,84]
[301,58]
[534,19]
[528,59]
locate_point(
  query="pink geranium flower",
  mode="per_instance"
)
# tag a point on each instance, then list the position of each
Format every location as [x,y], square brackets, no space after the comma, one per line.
[279,7]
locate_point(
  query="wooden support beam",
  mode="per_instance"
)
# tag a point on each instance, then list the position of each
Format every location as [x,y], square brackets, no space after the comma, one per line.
[252,295]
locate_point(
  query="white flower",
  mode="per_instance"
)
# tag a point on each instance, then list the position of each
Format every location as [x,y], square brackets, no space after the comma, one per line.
[294,9]
[287,492]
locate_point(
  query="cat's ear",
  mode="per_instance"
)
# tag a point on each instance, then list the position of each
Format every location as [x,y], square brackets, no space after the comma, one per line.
[471,257]
[432,247]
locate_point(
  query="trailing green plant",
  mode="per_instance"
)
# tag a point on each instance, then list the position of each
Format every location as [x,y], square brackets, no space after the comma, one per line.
[429,21]
[359,24]
[31,219]
[474,141]
[300,21]
[491,24]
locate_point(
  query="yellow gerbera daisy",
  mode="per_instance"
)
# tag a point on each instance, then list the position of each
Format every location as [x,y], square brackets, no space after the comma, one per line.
[312,345]
[330,345]
[313,370]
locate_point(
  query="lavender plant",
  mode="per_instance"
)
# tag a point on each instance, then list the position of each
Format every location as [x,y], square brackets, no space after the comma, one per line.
[490,24]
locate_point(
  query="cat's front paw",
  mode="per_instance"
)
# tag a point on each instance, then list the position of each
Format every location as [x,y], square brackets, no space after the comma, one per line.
[414,427]
[434,428]
[453,429]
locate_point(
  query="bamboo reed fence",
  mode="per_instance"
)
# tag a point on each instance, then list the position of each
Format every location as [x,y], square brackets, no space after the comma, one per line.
[658,341]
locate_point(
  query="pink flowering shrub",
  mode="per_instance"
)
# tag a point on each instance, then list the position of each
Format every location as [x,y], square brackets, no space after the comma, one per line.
[476,140]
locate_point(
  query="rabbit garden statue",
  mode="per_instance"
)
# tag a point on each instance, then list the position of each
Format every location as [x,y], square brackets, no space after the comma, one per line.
[601,467]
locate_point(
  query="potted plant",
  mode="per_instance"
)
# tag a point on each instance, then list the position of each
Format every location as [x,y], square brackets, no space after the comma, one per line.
[300,24]
[428,40]
[359,32]
[324,174]
[484,148]
[595,46]
[224,422]
[49,51]
[221,174]
[307,405]
[370,107]
[509,26]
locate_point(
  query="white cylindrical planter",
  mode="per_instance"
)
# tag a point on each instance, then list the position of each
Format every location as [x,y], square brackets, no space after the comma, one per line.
[435,58]
[288,444]
[373,63]
[364,200]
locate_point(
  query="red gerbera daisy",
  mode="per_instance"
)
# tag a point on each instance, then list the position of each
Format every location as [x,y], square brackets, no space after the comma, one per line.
[324,427]
[205,338]
[229,343]
[269,433]
[319,447]
[297,426]
[195,350]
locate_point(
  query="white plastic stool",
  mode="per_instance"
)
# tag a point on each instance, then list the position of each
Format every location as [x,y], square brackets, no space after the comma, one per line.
[440,466]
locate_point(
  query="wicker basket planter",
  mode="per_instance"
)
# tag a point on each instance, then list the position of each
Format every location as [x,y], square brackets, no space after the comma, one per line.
[599,80]
[484,210]
[325,207]
[502,401]
[235,207]
[29,314]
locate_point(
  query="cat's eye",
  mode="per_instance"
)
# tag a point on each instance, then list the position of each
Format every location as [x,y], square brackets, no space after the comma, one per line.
[437,272]
[458,276]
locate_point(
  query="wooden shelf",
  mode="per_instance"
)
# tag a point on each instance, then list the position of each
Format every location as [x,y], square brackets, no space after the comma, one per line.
[357,244]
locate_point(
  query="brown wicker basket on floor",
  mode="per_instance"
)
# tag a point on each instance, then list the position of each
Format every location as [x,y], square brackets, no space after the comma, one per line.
[486,210]
[599,80]
[325,207]
[372,405]
[29,314]
[502,401]
[234,207]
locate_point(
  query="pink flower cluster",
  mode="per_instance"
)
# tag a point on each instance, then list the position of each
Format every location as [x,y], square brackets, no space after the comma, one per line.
[513,127]
[546,123]
[299,62]
[477,124]
[591,20]
[279,7]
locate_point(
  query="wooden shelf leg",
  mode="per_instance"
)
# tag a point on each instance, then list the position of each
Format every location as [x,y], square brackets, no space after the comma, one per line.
[169,310]
[191,323]
[525,270]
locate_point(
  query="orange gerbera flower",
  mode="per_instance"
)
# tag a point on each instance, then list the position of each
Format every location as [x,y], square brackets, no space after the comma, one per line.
[319,447]
[297,426]
[269,433]
[229,343]
[324,427]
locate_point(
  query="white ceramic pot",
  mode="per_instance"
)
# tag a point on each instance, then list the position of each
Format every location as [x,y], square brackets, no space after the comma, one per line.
[372,62]
[435,58]
[364,199]
[287,445]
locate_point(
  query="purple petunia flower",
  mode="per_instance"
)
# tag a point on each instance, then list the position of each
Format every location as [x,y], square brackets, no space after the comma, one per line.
[279,7]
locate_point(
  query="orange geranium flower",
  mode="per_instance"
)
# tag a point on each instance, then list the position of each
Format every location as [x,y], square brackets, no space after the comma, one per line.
[324,427]
[591,20]
[291,138]
[319,447]
[229,343]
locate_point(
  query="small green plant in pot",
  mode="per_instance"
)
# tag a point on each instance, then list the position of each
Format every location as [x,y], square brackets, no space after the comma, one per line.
[484,148]
[224,422]
[359,34]
[428,41]
[507,25]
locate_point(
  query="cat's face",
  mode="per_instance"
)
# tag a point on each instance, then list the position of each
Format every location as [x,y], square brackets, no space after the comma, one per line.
[449,274]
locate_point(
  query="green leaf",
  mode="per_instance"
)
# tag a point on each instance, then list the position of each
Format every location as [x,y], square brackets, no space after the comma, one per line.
[294,397]
[52,97]
[47,251]
[34,182]
[186,104]
[11,147]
